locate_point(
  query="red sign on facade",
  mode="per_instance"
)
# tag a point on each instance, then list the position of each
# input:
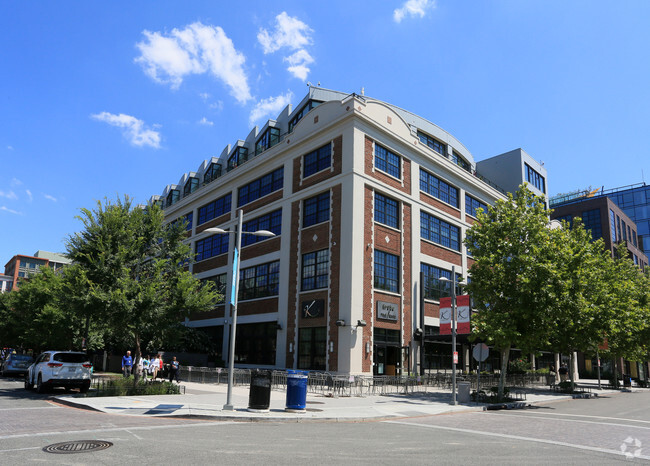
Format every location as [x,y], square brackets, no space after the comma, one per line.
[463,313]
[445,316]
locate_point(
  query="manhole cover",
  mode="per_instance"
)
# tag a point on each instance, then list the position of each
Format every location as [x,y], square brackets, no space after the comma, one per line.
[78,446]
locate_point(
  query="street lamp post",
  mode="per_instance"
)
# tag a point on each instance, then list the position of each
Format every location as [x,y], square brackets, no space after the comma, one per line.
[453,333]
[235,296]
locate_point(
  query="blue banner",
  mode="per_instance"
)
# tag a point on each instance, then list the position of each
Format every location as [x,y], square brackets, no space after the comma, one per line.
[235,278]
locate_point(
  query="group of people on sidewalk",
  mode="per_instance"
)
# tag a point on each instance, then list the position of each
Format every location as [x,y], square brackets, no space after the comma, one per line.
[150,366]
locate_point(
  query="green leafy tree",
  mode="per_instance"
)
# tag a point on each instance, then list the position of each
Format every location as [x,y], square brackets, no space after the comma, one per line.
[136,268]
[513,252]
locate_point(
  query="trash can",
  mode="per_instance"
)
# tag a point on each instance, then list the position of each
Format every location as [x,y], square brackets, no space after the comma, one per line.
[627,380]
[259,397]
[463,392]
[296,391]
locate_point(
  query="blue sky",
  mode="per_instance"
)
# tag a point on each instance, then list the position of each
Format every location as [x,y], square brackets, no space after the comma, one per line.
[100,99]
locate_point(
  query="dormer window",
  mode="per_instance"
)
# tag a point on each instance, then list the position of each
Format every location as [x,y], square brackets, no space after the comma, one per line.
[212,173]
[173,197]
[302,112]
[269,138]
[238,156]
[460,161]
[191,186]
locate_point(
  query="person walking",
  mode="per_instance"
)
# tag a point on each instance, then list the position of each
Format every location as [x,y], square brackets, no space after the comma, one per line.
[127,364]
[174,369]
[564,373]
[153,367]
[160,365]
[145,367]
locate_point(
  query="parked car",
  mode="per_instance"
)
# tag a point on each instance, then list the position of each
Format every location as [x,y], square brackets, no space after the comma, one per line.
[68,369]
[16,364]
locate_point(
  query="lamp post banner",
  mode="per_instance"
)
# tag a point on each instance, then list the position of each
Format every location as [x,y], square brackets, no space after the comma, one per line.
[235,268]
[445,315]
[463,311]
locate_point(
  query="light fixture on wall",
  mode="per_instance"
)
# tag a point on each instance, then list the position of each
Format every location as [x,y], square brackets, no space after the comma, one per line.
[360,323]
[291,347]
[367,347]
[340,323]
[331,346]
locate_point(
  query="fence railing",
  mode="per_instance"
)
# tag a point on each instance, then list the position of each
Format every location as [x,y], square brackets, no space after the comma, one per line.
[326,383]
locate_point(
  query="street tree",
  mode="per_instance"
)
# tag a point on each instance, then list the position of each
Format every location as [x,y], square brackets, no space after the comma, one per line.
[137,269]
[513,263]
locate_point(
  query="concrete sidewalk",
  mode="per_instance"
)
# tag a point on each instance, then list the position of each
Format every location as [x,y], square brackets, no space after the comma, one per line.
[207,400]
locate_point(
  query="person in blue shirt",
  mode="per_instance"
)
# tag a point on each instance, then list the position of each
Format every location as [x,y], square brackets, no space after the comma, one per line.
[127,364]
[174,370]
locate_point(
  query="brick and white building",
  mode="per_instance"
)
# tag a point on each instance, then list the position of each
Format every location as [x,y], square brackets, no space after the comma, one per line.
[363,196]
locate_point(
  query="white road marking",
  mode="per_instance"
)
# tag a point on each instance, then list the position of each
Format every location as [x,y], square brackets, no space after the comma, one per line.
[584,415]
[530,416]
[37,407]
[20,449]
[516,437]
[135,435]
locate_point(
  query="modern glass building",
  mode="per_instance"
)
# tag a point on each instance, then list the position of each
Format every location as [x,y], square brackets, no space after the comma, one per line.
[634,200]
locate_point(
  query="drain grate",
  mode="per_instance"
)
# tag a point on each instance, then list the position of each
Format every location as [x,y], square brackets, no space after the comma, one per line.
[78,446]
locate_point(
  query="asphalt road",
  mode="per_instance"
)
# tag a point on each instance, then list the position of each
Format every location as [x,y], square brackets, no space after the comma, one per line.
[594,432]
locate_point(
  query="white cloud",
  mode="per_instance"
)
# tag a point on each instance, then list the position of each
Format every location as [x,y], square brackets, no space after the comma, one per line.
[50,198]
[15,182]
[292,34]
[9,195]
[413,8]
[133,129]
[298,63]
[10,147]
[218,105]
[11,211]
[29,195]
[197,49]
[269,107]
[204,95]
[204,121]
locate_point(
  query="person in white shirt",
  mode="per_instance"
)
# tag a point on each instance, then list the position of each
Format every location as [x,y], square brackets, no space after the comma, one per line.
[145,367]
[154,364]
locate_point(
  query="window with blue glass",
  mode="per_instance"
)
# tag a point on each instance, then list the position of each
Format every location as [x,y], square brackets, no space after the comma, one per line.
[434,287]
[219,286]
[439,231]
[472,205]
[386,272]
[237,157]
[215,209]
[302,112]
[460,161]
[260,281]
[433,143]
[214,245]
[535,178]
[212,173]
[269,138]
[317,160]
[173,196]
[612,225]
[591,222]
[191,185]
[188,221]
[261,187]
[387,162]
[315,270]
[386,211]
[437,188]
[316,209]
[271,222]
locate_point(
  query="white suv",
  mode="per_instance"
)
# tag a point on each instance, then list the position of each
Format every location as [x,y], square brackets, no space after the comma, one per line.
[67,369]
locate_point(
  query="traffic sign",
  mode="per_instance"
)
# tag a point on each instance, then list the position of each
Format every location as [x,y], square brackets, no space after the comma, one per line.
[455,357]
[481,352]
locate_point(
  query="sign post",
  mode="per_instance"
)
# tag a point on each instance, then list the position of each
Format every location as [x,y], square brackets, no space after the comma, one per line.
[480,353]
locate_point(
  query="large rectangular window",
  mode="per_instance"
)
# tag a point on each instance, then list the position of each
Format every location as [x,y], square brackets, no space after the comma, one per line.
[387,162]
[212,173]
[432,143]
[535,178]
[269,139]
[256,343]
[237,157]
[472,205]
[386,272]
[312,348]
[219,285]
[439,231]
[434,287]
[316,209]
[437,188]
[315,270]
[214,245]
[271,222]
[259,281]
[191,185]
[317,160]
[612,225]
[215,209]
[386,211]
[261,187]
[173,197]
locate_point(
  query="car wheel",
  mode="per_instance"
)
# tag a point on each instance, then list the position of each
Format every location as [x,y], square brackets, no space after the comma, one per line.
[28,384]
[40,388]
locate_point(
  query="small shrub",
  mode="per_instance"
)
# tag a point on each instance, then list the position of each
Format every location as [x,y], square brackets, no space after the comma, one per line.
[127,387]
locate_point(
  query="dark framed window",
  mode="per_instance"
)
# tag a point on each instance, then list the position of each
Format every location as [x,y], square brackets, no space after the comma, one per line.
[433,143]
[438,188]
[317,160]
[439,231]
[302,112]
[312,348]
[612,225]
[472,205]
[460,161]
[261,187]
[214,245]
[173,196]
[212,173]
[315,270]
[237,157]
[386,272]
[434,287]
[269,138]
[591,222]
[535,178]
[387,162]
[386,211]
[316,209]
[188,221]
[215,209]
[191,185]
[256,343]
[219,285]
[271,222]
[259,281]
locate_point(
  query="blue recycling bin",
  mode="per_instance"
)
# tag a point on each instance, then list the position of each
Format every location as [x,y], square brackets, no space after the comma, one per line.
[296,391]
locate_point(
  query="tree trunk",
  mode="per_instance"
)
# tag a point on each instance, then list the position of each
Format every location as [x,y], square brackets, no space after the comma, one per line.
[572,372]
[136,360]
[505,355]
